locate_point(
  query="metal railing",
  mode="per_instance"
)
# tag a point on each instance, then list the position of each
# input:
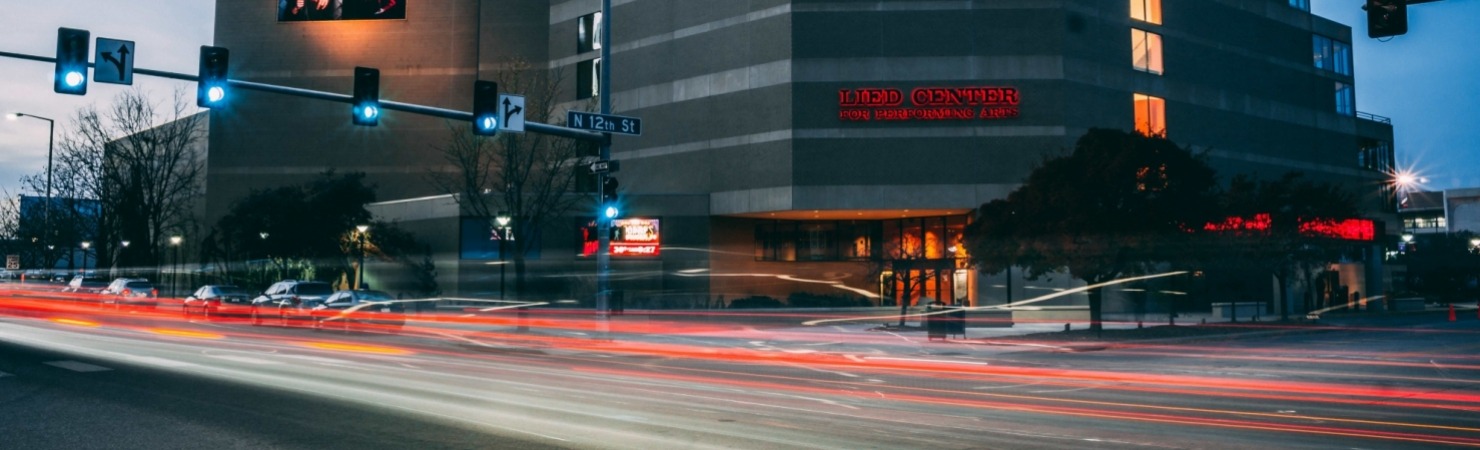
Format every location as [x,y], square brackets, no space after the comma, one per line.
[1374,118]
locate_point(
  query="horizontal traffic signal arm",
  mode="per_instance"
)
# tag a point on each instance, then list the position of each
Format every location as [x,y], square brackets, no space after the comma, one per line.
[463,116]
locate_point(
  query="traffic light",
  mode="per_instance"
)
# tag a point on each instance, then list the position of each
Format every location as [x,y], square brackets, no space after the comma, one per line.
[210,89]
[485,108]
[1386,18]
[72,49]
[609,190]
[367,97]
[608,205]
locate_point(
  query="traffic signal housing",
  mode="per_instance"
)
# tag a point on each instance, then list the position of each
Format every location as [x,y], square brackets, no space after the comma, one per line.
[608,204]
[485,108]
[366,109]
[71,71]
[1386,18]
[210,89]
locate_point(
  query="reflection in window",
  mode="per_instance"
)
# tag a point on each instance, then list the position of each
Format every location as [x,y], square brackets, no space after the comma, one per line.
[1345,99]
[1303,5]
[588,33]
[1146,51]
[1151,115]
[588,79]
[1331,55]
[1148,11]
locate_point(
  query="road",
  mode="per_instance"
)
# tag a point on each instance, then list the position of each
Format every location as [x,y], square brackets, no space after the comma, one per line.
[74,376]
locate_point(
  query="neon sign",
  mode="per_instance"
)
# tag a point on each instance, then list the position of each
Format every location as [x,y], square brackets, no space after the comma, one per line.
[928,103]
[1344,229]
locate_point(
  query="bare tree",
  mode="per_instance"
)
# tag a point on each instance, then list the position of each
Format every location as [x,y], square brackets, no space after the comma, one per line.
[131,172]
[528,176]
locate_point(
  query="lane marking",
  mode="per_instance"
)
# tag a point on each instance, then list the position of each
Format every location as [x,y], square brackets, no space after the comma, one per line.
[77,366]
[162,362]
[243,359]
[941,361]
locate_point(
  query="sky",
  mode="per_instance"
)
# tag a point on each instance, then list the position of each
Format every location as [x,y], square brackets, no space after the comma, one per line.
[1427,82]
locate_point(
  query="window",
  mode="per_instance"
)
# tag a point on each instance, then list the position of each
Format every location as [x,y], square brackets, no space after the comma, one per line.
[1303,5]
[1345,99]
[1331,55]
[1146,51]
[1148,11]
[1151,115]
[1376,155]
[588,79]
[588,33]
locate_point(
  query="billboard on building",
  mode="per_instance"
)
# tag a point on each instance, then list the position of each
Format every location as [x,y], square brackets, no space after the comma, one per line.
[322,10]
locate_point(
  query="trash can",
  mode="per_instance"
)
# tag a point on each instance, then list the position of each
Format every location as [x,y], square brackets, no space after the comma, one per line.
[957,322]
[936,326]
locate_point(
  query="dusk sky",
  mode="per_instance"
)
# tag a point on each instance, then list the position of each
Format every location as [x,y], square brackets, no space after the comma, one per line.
[1426,81]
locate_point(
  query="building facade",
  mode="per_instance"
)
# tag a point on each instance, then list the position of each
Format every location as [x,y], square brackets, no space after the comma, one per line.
[802,148]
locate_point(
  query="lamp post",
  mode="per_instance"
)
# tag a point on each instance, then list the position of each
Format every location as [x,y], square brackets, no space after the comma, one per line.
[175,278]
[360,268]
[503,225]
[85,245]
[118,255]
[50,141]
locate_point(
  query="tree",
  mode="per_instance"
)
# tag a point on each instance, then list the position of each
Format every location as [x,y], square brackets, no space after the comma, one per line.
[528,176]
[1270,215]
[305,226]
[141,165]
[1120,204]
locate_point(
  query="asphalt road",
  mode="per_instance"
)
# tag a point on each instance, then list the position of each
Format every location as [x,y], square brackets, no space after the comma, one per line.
[80,379]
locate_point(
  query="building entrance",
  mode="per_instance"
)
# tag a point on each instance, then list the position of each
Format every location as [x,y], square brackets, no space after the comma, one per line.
[909,281]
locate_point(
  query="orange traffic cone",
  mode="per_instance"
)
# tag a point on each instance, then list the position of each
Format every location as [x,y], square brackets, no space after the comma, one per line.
[1451,313]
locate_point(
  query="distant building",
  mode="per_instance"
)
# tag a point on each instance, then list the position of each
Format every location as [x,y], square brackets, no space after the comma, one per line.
[1447,211]
[804,147]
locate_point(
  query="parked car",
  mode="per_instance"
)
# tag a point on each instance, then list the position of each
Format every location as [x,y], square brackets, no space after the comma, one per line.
[86,284]
[218,300]
[130,292]
[360,309]
[289,301]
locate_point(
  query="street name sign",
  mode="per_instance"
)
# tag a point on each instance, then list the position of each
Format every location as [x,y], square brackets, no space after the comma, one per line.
[604,123]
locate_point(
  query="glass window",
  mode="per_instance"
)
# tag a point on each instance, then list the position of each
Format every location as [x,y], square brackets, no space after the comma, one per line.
[588,79]
[1345,99]
[1148,11]
[1303,5]
[1331,55]
[1146,51]
[1151,115]
[588,33]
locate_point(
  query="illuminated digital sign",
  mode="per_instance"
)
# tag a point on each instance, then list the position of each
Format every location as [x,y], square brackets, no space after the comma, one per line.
[323,10]
[928,103]
[629,238]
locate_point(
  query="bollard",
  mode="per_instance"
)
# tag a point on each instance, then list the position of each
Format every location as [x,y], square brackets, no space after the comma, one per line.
[1066,327]
[1451,313]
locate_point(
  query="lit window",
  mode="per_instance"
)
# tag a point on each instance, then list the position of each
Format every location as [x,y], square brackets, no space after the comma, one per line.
[1146,51]
[1151,115]
[1303,5]
[1345,99]
[1148,11]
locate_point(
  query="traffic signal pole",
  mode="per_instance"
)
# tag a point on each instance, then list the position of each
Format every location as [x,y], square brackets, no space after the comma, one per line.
[603,223]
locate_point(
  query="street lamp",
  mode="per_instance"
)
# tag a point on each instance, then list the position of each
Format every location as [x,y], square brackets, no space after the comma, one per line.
[85,245]
[503,220]
[360,268]
[50,140]
[175,277]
